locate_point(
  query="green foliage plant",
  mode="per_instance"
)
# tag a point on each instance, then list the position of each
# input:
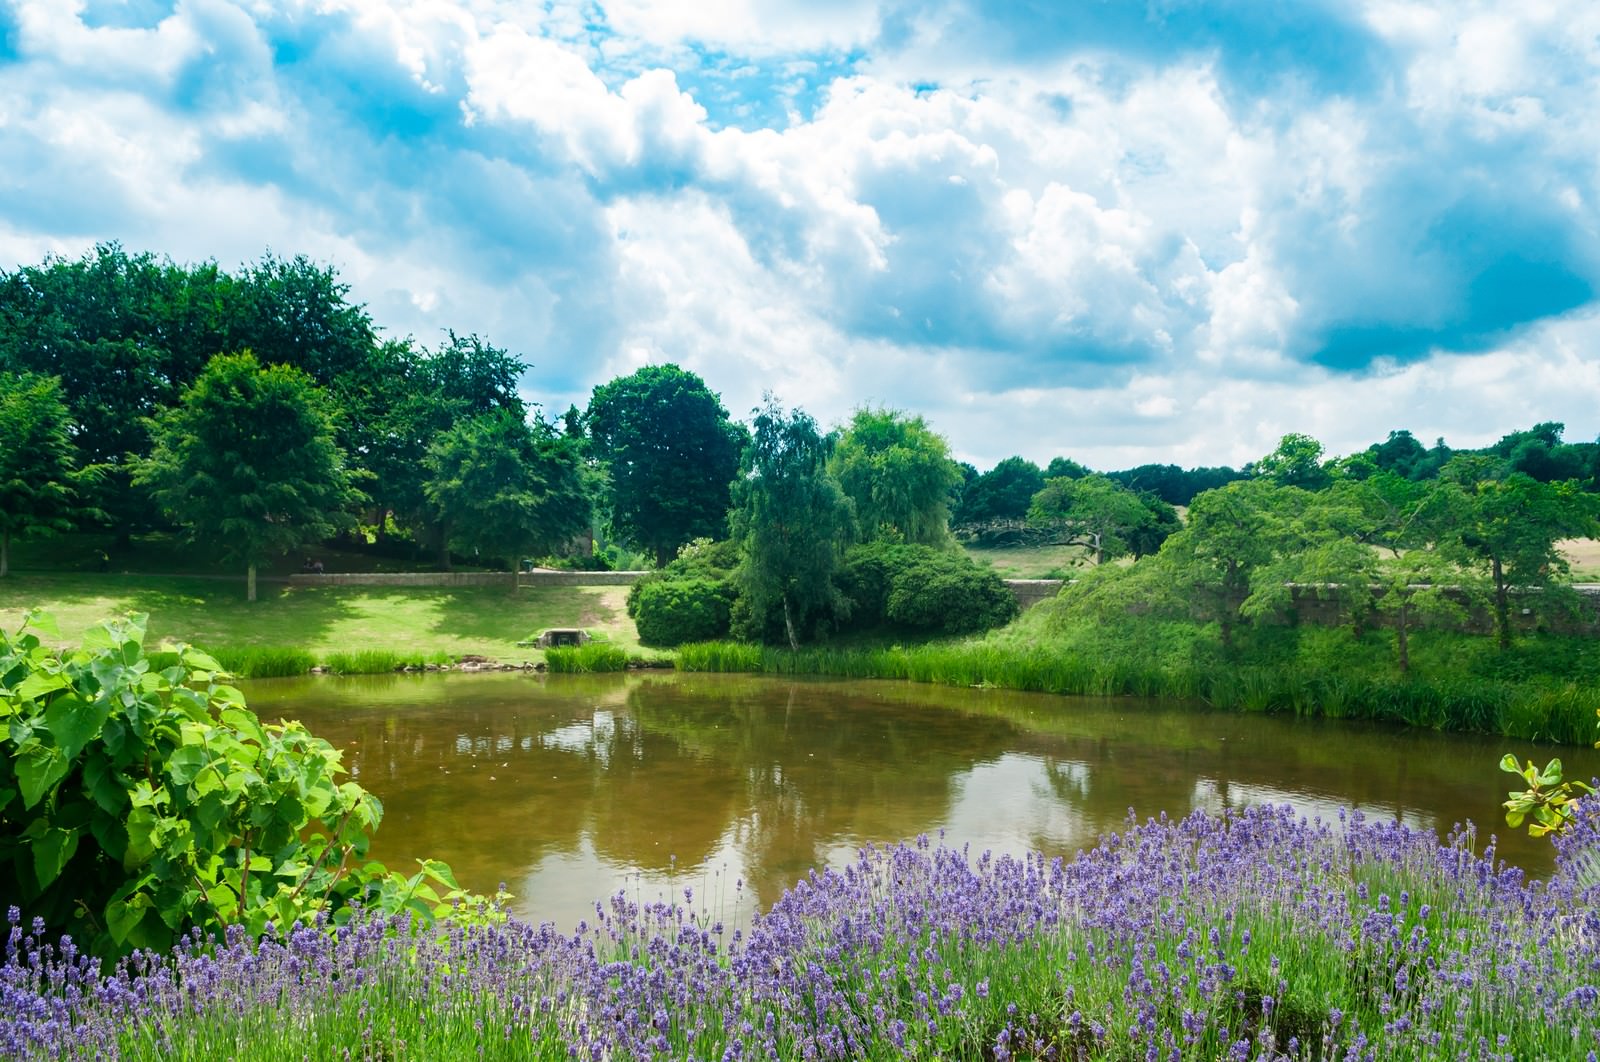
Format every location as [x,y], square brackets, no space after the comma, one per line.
[1547,801]
[1091,511]
[918,588]
[669,612]
[137,802]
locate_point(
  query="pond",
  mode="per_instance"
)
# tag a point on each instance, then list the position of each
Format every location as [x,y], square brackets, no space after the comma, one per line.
[568,788]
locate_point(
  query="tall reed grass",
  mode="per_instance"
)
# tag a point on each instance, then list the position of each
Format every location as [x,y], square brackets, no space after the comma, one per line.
[594,656]
[1540,709]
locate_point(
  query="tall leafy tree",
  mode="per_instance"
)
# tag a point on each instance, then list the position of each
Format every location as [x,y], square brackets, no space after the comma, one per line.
[671,453]
[1507,530]
[1092,511]
[792,518]
[502,488]
[899,475]
[296,312]
[248,464]
[1233,533]
[1297,462]
[403,398]
[37,461]
[125,333]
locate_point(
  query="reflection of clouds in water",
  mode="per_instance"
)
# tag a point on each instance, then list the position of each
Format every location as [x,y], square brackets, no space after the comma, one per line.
[595,737]
[1010,805]
[1211,795]
[563,887]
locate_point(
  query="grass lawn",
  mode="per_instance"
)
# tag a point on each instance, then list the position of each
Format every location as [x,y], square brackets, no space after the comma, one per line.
[213,614]
[1028,562]
[1584,556]
[167,554]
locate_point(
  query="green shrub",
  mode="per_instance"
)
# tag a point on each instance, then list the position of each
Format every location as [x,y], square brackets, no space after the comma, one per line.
[670,612]
[136,802]
[918,588]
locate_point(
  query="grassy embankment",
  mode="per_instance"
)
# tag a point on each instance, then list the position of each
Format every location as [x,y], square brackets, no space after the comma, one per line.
[1546,688]
[347,629]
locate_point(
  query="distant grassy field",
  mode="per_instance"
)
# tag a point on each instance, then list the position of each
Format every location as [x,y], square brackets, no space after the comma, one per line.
[1028,562]
[212,613]
[1584,556]
[164,554]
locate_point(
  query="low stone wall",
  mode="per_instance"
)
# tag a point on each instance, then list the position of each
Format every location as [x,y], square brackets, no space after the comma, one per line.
[578,578]
[502,579]
[505,579]
[1030,592]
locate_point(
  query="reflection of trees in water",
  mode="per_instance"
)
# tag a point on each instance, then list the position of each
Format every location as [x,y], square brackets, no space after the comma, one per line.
[510,769]
[818,767]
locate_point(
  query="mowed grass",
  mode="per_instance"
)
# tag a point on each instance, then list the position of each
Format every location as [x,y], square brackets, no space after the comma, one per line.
[161,553]
[325,620]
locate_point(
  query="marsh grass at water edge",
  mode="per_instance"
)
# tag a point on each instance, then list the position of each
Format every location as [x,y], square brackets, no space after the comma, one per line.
[1251,936]
[1538,708]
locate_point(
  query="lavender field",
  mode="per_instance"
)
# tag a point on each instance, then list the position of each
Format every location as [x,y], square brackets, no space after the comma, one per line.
[1250,936]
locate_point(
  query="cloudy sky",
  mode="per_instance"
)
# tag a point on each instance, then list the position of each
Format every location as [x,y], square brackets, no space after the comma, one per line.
[1121,230]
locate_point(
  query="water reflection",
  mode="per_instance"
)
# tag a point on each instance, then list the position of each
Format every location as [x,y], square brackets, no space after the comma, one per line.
[569,788]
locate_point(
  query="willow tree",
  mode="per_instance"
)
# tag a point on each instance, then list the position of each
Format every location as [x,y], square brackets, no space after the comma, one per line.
[793,520]
[899,475]
[247,464]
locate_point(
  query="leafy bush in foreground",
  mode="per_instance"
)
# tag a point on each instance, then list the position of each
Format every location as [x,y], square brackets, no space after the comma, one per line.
[1249,936]
[673,611]
[923,589]
[139,801]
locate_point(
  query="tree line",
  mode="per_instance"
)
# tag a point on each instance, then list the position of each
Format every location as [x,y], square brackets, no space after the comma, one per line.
[260,411]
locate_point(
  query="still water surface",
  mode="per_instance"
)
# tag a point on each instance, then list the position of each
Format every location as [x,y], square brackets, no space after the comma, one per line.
[568,788]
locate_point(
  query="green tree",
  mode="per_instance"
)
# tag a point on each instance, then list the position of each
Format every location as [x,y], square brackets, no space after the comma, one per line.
[125,333]
[403,398]
[1233,533]
[248,465]
[1002,493]
[792,518]
[1091,511]
[672,454]
[37,473]
[295,312]
[503,489]
[899,475]
[1507,531]
[1297,462]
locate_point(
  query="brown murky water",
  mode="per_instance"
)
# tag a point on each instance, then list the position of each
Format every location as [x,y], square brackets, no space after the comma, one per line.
[569,788]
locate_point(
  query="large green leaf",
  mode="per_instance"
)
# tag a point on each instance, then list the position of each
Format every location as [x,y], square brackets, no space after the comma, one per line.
[74,722]
[50,854]
[38,771]
[38,684]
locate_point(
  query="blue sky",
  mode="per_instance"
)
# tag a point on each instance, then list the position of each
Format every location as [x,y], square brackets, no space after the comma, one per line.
[1124,232]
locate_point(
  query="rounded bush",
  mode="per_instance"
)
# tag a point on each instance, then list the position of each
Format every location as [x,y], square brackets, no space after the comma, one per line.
[670,612]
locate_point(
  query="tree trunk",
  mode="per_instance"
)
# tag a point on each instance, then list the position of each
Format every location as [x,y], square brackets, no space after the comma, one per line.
[788,625]
[444,548]
[1502,604]
[1402,639]
[5,552]
[250,582]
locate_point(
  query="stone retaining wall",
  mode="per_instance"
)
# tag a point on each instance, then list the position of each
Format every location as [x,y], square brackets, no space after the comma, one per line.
[503,579]
[1030,592]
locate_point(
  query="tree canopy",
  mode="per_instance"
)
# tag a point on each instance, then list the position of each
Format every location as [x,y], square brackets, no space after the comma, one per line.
[1002,493]
[671,453]
[247,462]
[503,489]
[38,471]
[899,475]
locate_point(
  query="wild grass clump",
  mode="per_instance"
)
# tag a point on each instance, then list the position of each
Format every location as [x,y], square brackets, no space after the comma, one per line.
[258,661]
[380,661]
[1251,935]
[590,657]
